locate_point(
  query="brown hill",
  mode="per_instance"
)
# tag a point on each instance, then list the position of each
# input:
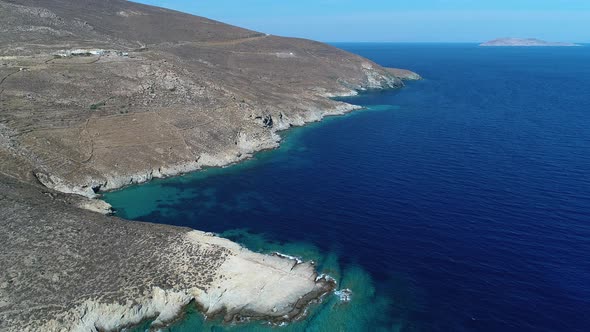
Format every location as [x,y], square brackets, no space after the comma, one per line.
[163,92]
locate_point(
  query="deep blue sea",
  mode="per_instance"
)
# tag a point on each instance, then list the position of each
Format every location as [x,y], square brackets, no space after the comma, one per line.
[458,203]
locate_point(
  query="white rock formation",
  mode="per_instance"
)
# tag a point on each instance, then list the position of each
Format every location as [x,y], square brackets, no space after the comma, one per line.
[246,285]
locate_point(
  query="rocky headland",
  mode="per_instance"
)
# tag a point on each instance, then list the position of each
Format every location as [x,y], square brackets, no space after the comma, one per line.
[404,74]
[99,94]
[524,42]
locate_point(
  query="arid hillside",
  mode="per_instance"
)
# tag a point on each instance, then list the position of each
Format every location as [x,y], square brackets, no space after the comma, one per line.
[98,94]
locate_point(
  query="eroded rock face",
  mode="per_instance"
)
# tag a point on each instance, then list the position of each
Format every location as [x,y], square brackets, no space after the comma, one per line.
[259,286]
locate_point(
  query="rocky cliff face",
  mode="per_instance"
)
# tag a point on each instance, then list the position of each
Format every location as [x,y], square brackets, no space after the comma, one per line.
[99,94]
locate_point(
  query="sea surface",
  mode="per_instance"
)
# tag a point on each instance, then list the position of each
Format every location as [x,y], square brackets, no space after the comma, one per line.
[458,203]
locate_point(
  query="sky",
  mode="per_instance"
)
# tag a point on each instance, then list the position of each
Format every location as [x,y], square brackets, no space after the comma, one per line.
[400,20]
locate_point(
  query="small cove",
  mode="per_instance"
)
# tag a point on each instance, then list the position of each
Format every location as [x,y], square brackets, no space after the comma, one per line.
[460,205]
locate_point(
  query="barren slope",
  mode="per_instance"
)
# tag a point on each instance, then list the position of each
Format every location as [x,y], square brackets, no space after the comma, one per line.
[191,92]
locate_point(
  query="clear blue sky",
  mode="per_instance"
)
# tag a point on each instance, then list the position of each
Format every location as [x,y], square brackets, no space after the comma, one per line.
[400,20]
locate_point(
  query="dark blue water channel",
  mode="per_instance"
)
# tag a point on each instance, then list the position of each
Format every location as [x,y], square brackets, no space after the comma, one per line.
[459,203]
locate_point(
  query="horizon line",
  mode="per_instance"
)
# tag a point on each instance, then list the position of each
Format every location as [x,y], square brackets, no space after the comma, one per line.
[419,42]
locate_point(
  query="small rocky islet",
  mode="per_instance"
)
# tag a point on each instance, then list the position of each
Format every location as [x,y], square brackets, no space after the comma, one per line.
[97,95]
[525,42]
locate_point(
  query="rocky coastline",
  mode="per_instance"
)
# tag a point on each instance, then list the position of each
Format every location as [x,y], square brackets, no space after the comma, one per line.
[275,274]
[267,277]
[88,272]
[114,97]
[247,146]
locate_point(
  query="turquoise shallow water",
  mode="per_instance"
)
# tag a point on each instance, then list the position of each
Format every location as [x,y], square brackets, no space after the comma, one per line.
[459,203]
[158,197]
[332,314]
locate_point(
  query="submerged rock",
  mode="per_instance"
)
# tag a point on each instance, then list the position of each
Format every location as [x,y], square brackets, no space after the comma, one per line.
[345,295]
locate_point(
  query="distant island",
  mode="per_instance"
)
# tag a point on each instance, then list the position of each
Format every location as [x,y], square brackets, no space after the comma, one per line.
[524,42]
